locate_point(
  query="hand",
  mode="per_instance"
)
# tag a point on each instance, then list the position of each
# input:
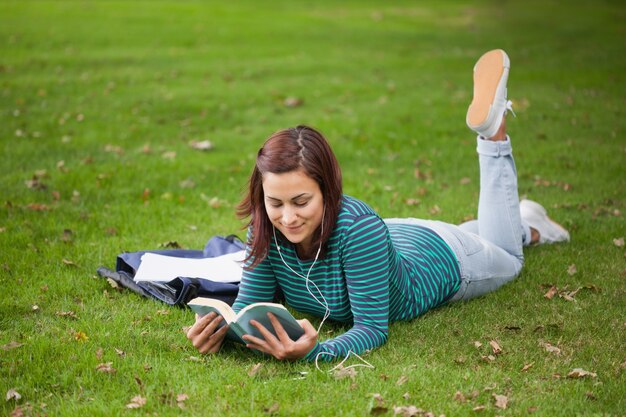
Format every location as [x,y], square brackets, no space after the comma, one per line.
[203,334]
[281,346]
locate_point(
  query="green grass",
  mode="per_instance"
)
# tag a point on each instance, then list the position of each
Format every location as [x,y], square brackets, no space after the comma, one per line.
[388,83]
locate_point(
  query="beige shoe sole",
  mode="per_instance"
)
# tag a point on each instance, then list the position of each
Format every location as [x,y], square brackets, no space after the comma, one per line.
[489,101]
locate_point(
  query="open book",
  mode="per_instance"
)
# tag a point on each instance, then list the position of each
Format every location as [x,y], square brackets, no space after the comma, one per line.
[240,322]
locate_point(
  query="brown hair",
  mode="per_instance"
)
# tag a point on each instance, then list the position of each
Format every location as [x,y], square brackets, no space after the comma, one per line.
[289,150]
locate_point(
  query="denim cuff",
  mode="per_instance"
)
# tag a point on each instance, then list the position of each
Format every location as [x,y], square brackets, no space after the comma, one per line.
[526,233]
[494,148]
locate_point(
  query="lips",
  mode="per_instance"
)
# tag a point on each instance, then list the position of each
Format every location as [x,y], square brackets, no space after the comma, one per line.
[293,229]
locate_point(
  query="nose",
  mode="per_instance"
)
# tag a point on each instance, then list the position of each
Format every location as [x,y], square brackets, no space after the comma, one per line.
[289,216]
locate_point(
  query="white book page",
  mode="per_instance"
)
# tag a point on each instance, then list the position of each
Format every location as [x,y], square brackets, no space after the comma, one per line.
[224,268]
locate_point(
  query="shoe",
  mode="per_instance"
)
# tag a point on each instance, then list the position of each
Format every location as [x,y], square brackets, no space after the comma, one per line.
[489,103]
[536,216]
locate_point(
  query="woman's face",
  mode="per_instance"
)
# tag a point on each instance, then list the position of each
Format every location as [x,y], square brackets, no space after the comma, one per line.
[295,206]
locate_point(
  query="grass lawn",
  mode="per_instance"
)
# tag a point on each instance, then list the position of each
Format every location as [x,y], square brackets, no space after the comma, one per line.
[100,100]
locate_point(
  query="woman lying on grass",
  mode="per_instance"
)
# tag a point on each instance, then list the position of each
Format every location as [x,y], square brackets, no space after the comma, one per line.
[333,256]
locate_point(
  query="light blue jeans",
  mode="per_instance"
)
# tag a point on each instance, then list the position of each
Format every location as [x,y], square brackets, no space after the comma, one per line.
[489,250]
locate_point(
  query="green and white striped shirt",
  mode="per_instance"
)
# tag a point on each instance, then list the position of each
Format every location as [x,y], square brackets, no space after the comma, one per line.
[372,274]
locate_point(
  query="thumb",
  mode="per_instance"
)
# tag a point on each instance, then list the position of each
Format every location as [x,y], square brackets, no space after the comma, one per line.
[307,326]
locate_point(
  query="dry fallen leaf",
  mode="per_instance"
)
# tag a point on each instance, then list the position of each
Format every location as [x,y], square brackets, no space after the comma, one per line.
[378,405]
[113,284]
[61,166]
[477,344]
[11,345]
[578,373]
[180,400]
[568,295]
[619,242]
[459,397]
[571,270]
[527,366]
[214,202]
[402,380]
[171,155]
[68,262]
[113,149]
[187,183]
[204,145]
[341,373]
[136,402]
[435,210]
[551,292]
[293,102]
[68,314]
[501,401]
[550,348]
[495,347]
[139,382]
[478,408]
[408,411]
[255,369]
[12,394]
[412,202]
[107,368]
[272,409]
[67,236]
[35,184]
[37,207]
[490,387]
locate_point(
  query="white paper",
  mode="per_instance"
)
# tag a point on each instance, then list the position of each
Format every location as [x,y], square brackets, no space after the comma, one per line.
[224,268]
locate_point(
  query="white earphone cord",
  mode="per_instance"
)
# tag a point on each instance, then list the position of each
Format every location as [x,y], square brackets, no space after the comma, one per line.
[323,303]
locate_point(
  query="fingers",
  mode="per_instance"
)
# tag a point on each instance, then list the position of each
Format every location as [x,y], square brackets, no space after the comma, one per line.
[267,335]
[309,330]
[214,343]
[280,346]
[200,324]
[205,335]
[278,328]
[256,343]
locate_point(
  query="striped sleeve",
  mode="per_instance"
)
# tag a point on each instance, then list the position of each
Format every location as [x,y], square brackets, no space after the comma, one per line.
[364,260]
[256,286]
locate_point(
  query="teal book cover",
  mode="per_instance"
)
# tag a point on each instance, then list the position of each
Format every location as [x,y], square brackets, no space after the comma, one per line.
[240,322]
